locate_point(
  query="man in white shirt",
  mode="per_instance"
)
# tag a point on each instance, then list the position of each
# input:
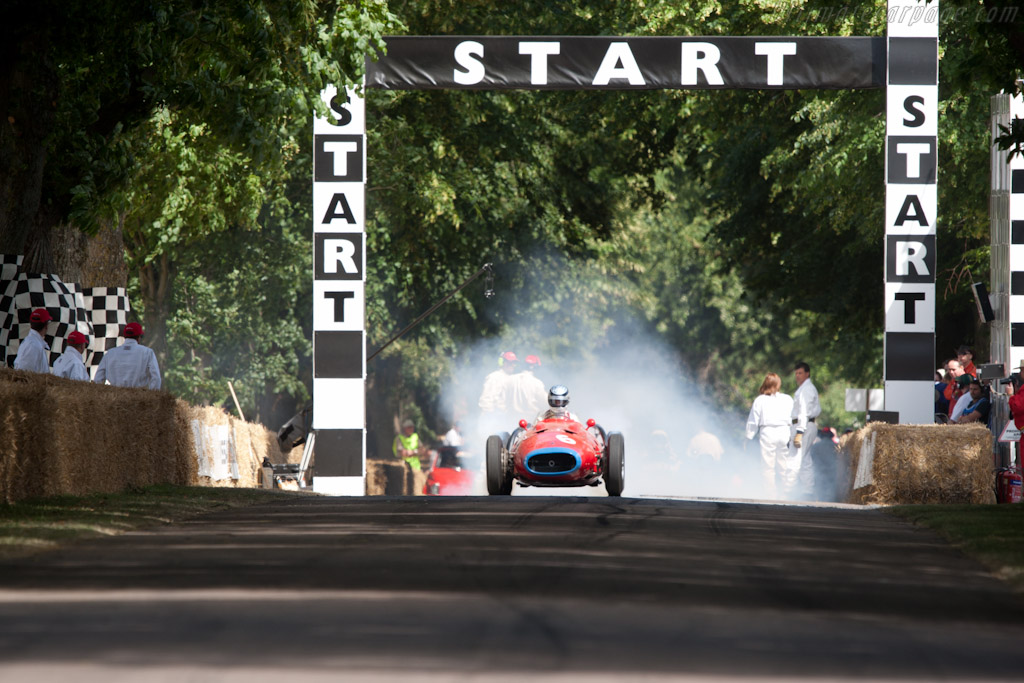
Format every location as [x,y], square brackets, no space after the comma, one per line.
[453,437]
[806,410]
[131,364]
[529,395]
[70,363]
[34,352]
[495,400]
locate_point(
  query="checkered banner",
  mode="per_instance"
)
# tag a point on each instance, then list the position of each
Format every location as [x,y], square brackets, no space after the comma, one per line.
[99,312]
[107,308]
[9,267]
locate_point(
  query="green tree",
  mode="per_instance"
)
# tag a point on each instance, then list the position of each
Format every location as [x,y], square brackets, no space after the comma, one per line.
[79,77]
[694,212]
[192,125]
[778,248]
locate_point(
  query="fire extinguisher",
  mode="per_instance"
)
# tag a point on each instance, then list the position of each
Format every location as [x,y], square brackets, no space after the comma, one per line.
[1008,485]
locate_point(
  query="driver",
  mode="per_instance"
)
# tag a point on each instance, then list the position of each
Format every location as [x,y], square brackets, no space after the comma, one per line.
[558,399]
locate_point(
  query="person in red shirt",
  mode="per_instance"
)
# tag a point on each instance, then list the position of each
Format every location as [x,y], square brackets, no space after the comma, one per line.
[965,357]
[1016,400]
[953,391]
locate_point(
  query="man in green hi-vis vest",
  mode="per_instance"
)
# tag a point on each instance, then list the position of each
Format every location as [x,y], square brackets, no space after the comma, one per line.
[407,445]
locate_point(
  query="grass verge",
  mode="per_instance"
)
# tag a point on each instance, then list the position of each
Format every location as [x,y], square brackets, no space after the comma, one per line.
[33,525]
[992,534]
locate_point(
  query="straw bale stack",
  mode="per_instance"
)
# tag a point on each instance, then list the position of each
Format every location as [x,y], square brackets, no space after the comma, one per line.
[908,464]
[61,437]
[393,478]
[417,480]
[246,445]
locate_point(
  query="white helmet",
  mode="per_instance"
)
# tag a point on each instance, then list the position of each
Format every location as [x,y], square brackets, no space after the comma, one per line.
[558,396]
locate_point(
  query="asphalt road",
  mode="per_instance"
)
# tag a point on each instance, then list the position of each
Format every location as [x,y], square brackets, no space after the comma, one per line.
[554,589]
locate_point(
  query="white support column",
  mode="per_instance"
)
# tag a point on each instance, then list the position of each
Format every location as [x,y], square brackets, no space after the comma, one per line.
[339,275]
[911,169]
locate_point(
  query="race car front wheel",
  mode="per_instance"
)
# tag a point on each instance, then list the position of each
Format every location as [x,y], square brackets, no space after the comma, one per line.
[499,479]
[615,464]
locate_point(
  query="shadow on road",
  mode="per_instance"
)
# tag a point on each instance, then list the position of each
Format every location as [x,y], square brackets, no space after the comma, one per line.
[482,585]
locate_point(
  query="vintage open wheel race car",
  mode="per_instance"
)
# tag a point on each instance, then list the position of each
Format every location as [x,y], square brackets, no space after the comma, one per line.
[557,450]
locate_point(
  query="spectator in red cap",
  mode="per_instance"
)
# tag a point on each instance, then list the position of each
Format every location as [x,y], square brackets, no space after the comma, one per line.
[529,395]
[34,352]
[131,364]
[70,363]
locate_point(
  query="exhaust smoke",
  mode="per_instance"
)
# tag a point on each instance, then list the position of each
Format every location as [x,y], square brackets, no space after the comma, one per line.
[678,443]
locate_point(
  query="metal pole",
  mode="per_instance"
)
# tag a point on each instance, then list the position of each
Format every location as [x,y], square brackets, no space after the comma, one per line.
[489,293]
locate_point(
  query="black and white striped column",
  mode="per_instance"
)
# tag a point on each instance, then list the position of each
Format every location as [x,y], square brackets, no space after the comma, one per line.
[339,258]
[911,167]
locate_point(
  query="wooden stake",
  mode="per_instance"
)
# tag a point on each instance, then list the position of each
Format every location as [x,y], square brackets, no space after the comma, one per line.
[235,399]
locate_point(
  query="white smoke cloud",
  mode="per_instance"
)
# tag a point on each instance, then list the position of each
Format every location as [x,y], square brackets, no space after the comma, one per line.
[637,386]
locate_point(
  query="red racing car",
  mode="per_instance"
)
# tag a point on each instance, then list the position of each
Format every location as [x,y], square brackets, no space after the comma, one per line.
[452,473]
[557,450]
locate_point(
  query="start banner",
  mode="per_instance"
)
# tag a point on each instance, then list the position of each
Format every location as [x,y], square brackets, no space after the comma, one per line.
[631,63]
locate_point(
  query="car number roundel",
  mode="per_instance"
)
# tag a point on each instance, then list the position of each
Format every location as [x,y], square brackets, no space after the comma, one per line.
[565,439]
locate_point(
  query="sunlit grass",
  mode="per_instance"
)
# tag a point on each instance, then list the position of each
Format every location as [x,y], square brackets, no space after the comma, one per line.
[34,525]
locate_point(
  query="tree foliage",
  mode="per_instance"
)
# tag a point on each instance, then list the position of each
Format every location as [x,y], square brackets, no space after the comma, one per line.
[776,252]
[743,229]
[80,77]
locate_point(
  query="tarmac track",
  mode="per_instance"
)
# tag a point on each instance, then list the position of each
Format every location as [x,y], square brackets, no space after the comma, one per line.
[553,589]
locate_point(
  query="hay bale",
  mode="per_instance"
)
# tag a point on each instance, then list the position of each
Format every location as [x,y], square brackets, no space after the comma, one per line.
[185,451]
[388,478]
[293,456]
[62,437]
[230,451]
[210,431]
[909,464]
[417,479]
[850,445]
[376,478]
[248,447]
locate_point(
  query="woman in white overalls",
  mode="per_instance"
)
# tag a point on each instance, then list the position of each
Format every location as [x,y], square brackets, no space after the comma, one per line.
[771,416]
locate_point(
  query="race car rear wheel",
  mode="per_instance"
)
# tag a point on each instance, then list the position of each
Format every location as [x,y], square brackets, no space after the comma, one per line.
[499,479]
[615,464]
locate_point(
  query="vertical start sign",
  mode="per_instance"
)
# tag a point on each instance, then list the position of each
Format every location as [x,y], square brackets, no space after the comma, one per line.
[339,275]
[911,203]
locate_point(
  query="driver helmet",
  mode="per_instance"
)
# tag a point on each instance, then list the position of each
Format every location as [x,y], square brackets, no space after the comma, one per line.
[558,396]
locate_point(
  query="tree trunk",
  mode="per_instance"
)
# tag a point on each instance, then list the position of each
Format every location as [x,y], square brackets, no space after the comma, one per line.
[27,82]
[73,256]
[67,249]
[154,283]
[104,264]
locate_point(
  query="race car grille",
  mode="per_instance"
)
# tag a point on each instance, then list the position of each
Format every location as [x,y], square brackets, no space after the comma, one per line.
[552,463]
